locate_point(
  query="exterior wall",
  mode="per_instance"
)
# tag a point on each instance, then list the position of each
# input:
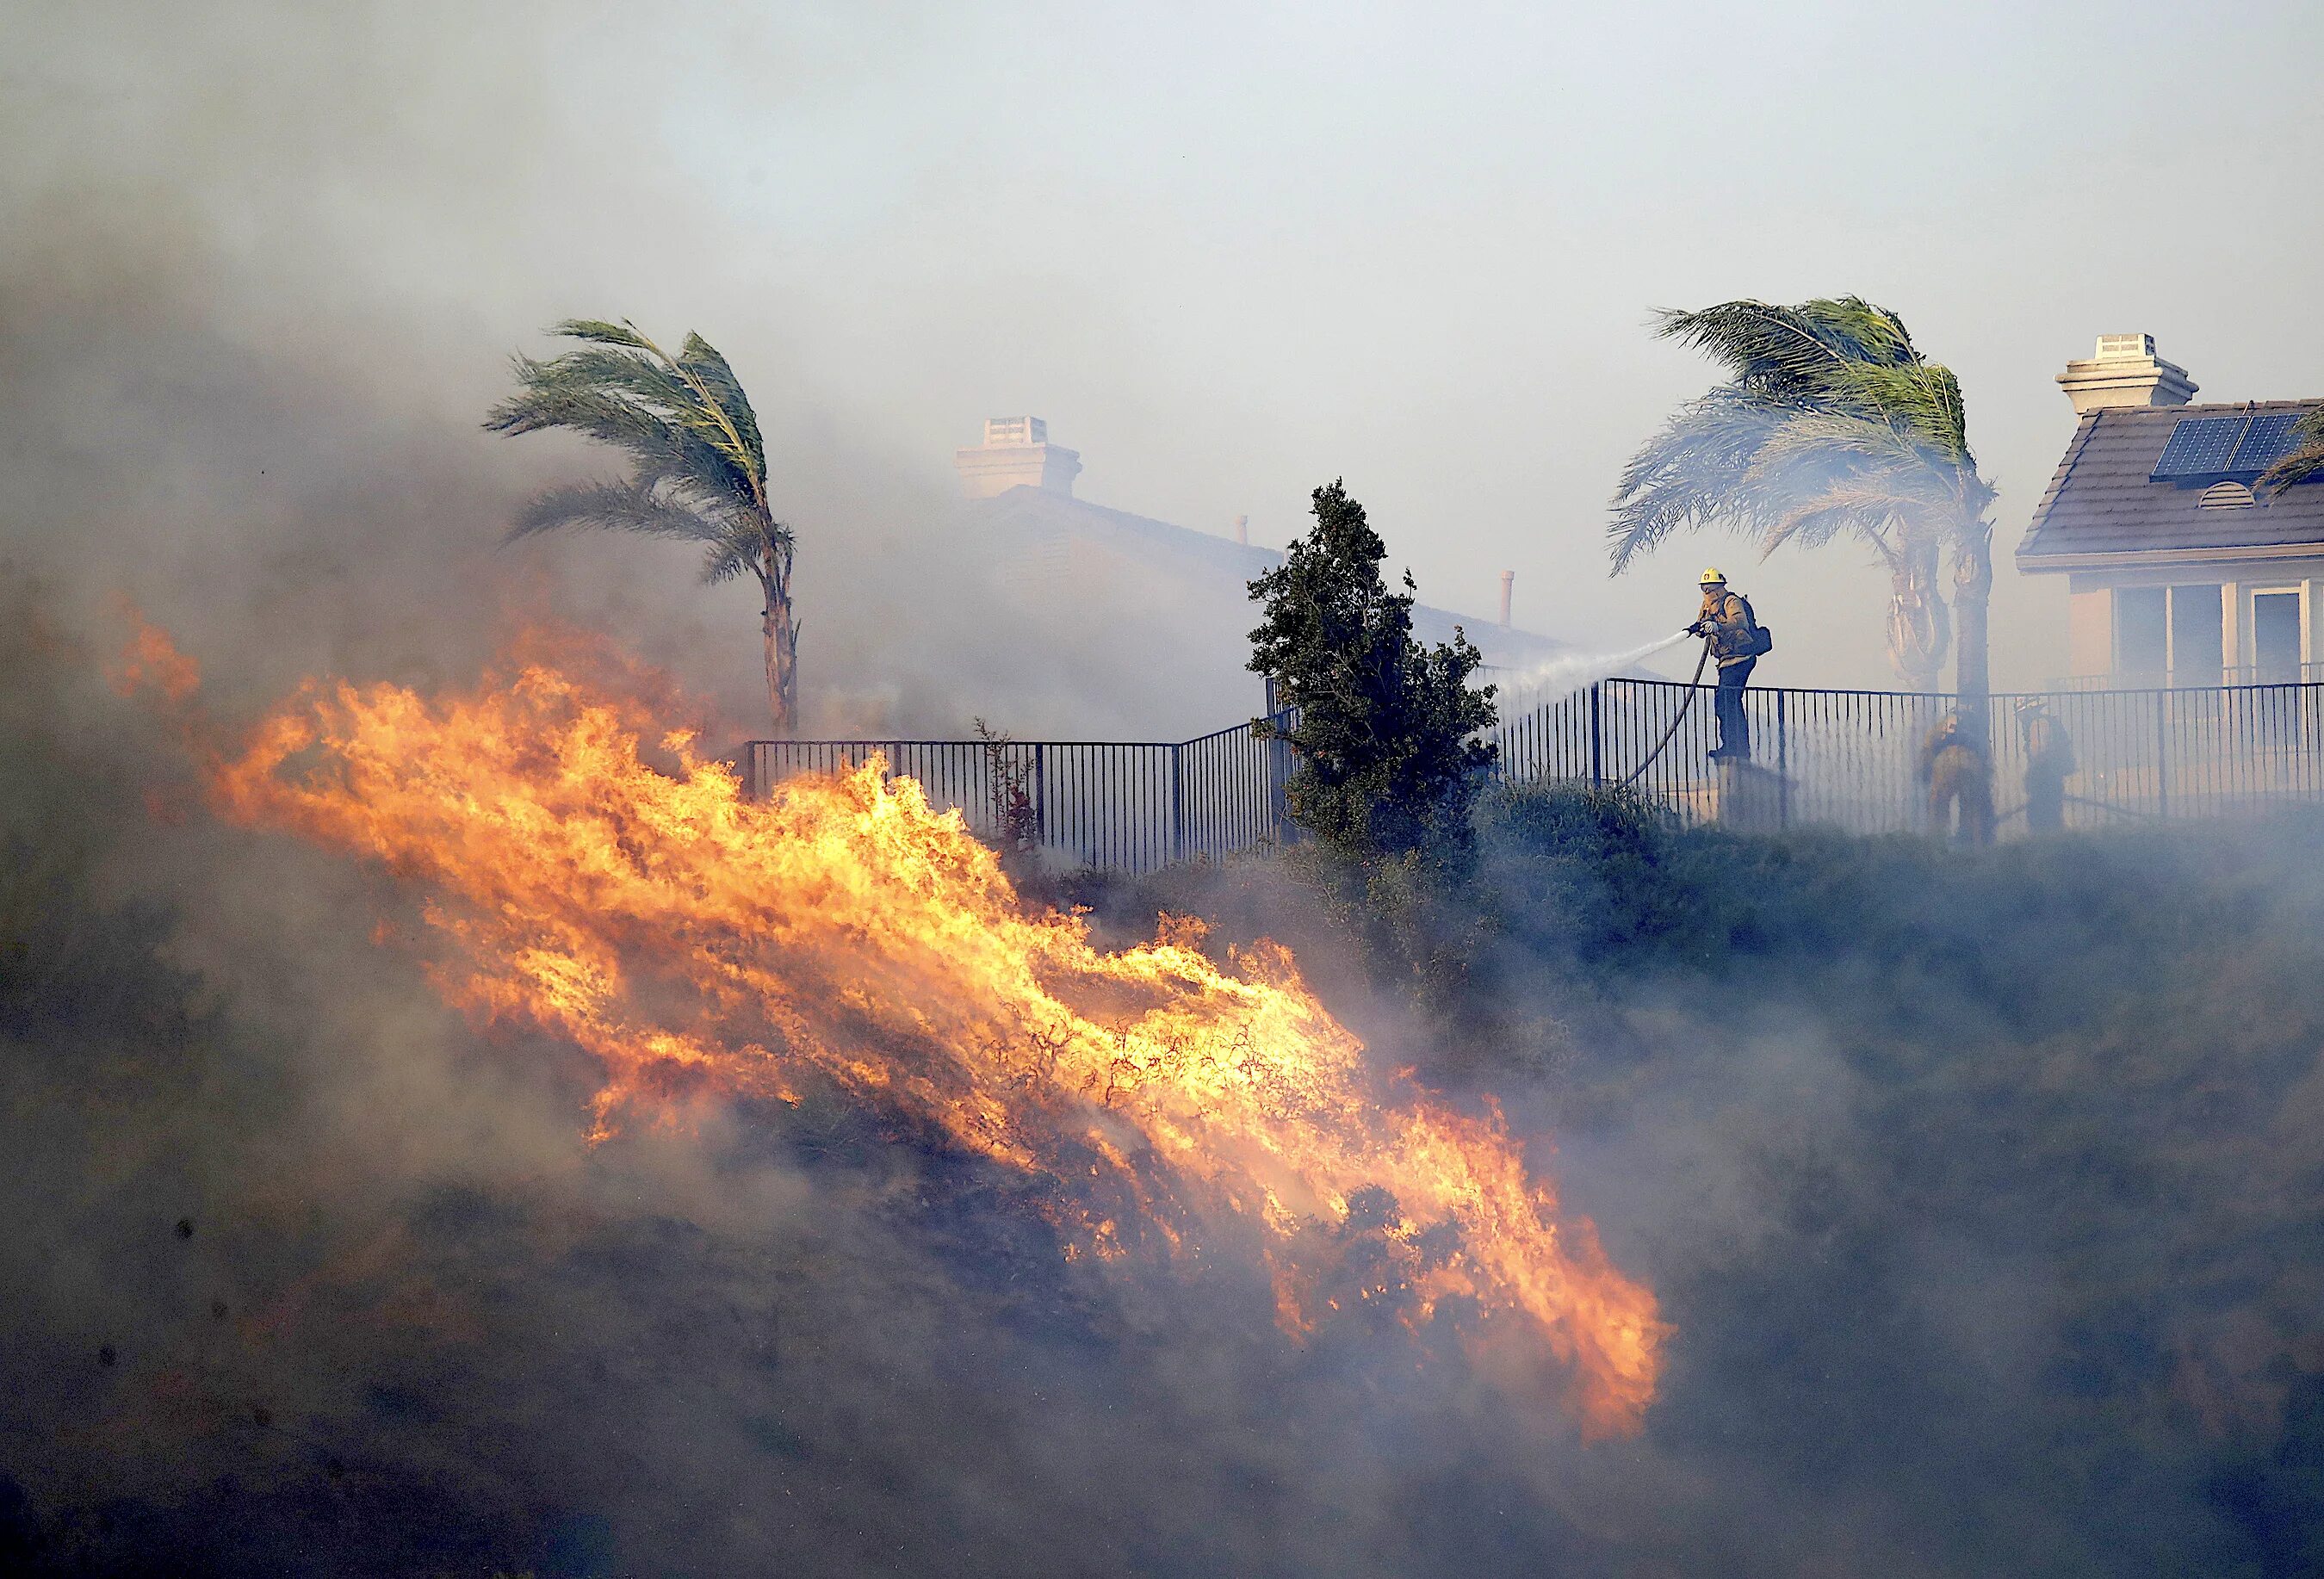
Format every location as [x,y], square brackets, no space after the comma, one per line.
[2089,628]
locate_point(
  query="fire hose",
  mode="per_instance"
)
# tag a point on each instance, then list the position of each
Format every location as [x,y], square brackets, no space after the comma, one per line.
[1693,687]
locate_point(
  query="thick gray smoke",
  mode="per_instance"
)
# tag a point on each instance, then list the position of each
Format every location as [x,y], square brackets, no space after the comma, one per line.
[1982,1196]
[314,1279]
[262,270]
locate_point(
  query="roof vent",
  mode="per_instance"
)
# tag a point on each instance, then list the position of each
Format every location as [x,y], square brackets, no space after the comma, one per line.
[2227,496]
[2125,371]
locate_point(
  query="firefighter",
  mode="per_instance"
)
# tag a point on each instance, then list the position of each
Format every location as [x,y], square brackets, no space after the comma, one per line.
[1727,623]
[2049,763]
[1960,776]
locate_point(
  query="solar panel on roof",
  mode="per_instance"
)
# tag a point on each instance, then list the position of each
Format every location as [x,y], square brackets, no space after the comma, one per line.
[2200,446]
[2268,440]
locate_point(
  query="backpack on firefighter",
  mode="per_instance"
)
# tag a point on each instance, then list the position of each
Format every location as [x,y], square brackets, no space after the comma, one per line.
[1753,640]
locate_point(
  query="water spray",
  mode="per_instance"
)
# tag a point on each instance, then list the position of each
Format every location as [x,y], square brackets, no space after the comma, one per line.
[1561,677]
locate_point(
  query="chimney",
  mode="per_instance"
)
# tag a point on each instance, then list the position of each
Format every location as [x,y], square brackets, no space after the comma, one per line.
[2125,371]
[1242,529]
[1016,454]
[1508,578]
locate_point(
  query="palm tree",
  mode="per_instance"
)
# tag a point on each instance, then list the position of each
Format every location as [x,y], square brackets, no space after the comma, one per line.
[1832,424]
[2303,463]
[698,468]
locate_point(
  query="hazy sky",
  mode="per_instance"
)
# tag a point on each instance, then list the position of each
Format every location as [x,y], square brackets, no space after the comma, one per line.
[1231,252]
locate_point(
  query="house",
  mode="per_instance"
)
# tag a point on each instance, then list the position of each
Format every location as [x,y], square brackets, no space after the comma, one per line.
[1113,587]
[2177,572]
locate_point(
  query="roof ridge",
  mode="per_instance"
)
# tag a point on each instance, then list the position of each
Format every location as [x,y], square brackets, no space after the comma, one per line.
[2214,407]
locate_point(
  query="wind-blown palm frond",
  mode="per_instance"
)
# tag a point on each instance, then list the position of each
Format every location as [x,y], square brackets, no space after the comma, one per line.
[1843,356]
[624,506]
[2304,462]
[1831,423]
[711,377]
[1868,509]
[697,462]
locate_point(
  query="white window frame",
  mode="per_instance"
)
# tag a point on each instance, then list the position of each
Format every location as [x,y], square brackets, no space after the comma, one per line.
[2248,644]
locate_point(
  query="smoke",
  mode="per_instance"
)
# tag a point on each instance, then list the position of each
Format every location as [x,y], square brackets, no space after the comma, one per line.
[1981,1194]
[1935,1158]
[318,1278]
[263,272]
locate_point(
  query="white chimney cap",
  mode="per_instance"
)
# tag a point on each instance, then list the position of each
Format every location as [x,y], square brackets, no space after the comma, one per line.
[1000,431]
[2125,348]
[1016,454]
[2125,371]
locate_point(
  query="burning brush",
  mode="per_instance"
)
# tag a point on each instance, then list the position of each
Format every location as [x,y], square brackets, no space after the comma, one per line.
[698,943]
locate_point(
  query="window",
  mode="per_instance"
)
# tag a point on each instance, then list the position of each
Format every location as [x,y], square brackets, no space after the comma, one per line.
[2197,629]
[2275,637]
[2141,633]
[2169,635]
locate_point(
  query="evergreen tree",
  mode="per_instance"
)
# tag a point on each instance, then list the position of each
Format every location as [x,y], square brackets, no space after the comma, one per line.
[1386,768]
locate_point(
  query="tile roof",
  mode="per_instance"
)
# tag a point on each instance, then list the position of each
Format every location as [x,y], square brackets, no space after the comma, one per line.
[2100,503]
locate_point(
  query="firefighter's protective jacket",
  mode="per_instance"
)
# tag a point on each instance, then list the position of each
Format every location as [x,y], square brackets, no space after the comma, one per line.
[1952,749]
[2048,749]
[1728,623]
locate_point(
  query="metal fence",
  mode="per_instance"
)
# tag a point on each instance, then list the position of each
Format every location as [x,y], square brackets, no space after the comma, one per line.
[1853,759]
[1124,806]
[2202,677]
[1849,760]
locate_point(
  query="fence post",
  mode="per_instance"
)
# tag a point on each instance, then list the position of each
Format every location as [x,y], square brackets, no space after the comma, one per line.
[1177,806]
[1283,770]
[1597,737]
[2161,754]
[1783,765]
[1040,795]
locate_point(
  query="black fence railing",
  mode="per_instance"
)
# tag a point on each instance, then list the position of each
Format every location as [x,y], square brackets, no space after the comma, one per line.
[1125,806]
[1852,759]
[2205,677]
[1844,759]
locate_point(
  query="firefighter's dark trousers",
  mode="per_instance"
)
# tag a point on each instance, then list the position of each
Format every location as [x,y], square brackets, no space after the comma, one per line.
[2045,802]
[1734,729]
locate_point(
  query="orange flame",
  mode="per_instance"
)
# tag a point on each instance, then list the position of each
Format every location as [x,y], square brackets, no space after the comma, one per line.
[692,940]
[149,660]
